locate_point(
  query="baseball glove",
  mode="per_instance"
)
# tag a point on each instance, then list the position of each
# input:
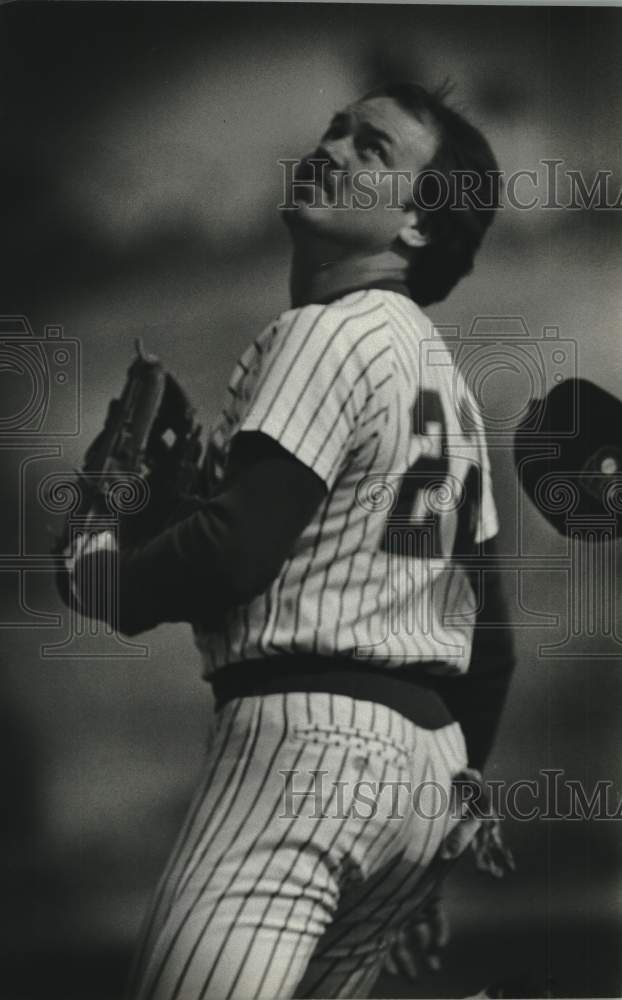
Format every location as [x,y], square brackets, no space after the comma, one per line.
[568,456]
[148,451]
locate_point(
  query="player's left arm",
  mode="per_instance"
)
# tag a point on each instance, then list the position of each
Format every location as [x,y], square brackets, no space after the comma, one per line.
[224,554]
[476,699]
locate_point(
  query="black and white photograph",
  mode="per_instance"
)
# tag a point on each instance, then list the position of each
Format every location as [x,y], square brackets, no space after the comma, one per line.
[311,479]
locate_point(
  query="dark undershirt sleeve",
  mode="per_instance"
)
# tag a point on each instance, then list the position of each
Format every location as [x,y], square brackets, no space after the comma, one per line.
[476,699]
[226,552]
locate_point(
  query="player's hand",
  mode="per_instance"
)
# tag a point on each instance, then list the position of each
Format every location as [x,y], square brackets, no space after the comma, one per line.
[416,947]
[93,557]
[492,855]
[479,826]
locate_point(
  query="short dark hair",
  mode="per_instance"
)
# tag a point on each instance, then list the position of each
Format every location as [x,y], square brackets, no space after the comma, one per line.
[454,233]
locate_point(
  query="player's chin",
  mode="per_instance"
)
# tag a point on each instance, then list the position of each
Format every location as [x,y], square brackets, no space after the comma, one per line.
[291,215]
[311,222]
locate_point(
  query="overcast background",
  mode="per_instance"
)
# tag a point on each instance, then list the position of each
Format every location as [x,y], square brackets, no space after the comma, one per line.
[139,192]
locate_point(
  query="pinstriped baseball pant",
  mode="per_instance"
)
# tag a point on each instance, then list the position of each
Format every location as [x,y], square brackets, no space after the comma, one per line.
[311,837]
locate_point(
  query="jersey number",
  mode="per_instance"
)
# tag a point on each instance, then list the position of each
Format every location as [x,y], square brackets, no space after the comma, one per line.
[413,527]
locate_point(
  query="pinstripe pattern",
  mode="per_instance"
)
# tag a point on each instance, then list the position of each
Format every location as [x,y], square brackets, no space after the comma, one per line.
[336,386]
[177,862]
[261,904]
[258,904]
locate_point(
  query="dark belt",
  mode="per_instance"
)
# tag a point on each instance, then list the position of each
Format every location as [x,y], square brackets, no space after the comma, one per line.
[404,689]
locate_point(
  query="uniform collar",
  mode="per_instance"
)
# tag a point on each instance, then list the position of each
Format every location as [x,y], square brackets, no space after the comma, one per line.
[387,285]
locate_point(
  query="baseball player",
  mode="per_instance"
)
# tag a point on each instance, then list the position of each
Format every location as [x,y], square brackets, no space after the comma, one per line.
[331,580]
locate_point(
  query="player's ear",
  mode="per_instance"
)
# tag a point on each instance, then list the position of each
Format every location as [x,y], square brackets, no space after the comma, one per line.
[410,232]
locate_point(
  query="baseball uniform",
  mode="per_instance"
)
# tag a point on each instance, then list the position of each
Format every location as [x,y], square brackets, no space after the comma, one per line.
[327,786]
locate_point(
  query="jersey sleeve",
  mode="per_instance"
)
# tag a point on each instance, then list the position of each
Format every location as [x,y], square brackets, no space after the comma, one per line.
[313,384]
[488,520]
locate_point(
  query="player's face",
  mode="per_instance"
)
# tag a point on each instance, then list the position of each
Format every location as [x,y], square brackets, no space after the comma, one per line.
[359,196]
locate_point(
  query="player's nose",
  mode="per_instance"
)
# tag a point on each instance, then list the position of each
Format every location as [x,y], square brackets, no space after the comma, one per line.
[338,152]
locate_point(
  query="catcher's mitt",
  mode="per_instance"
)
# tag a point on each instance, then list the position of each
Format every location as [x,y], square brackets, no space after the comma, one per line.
[149,450]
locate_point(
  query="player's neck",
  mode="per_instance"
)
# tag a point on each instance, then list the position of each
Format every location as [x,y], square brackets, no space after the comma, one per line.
[316,278]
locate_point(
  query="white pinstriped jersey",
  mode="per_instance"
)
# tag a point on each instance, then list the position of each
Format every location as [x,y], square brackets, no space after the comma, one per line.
[363,393]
